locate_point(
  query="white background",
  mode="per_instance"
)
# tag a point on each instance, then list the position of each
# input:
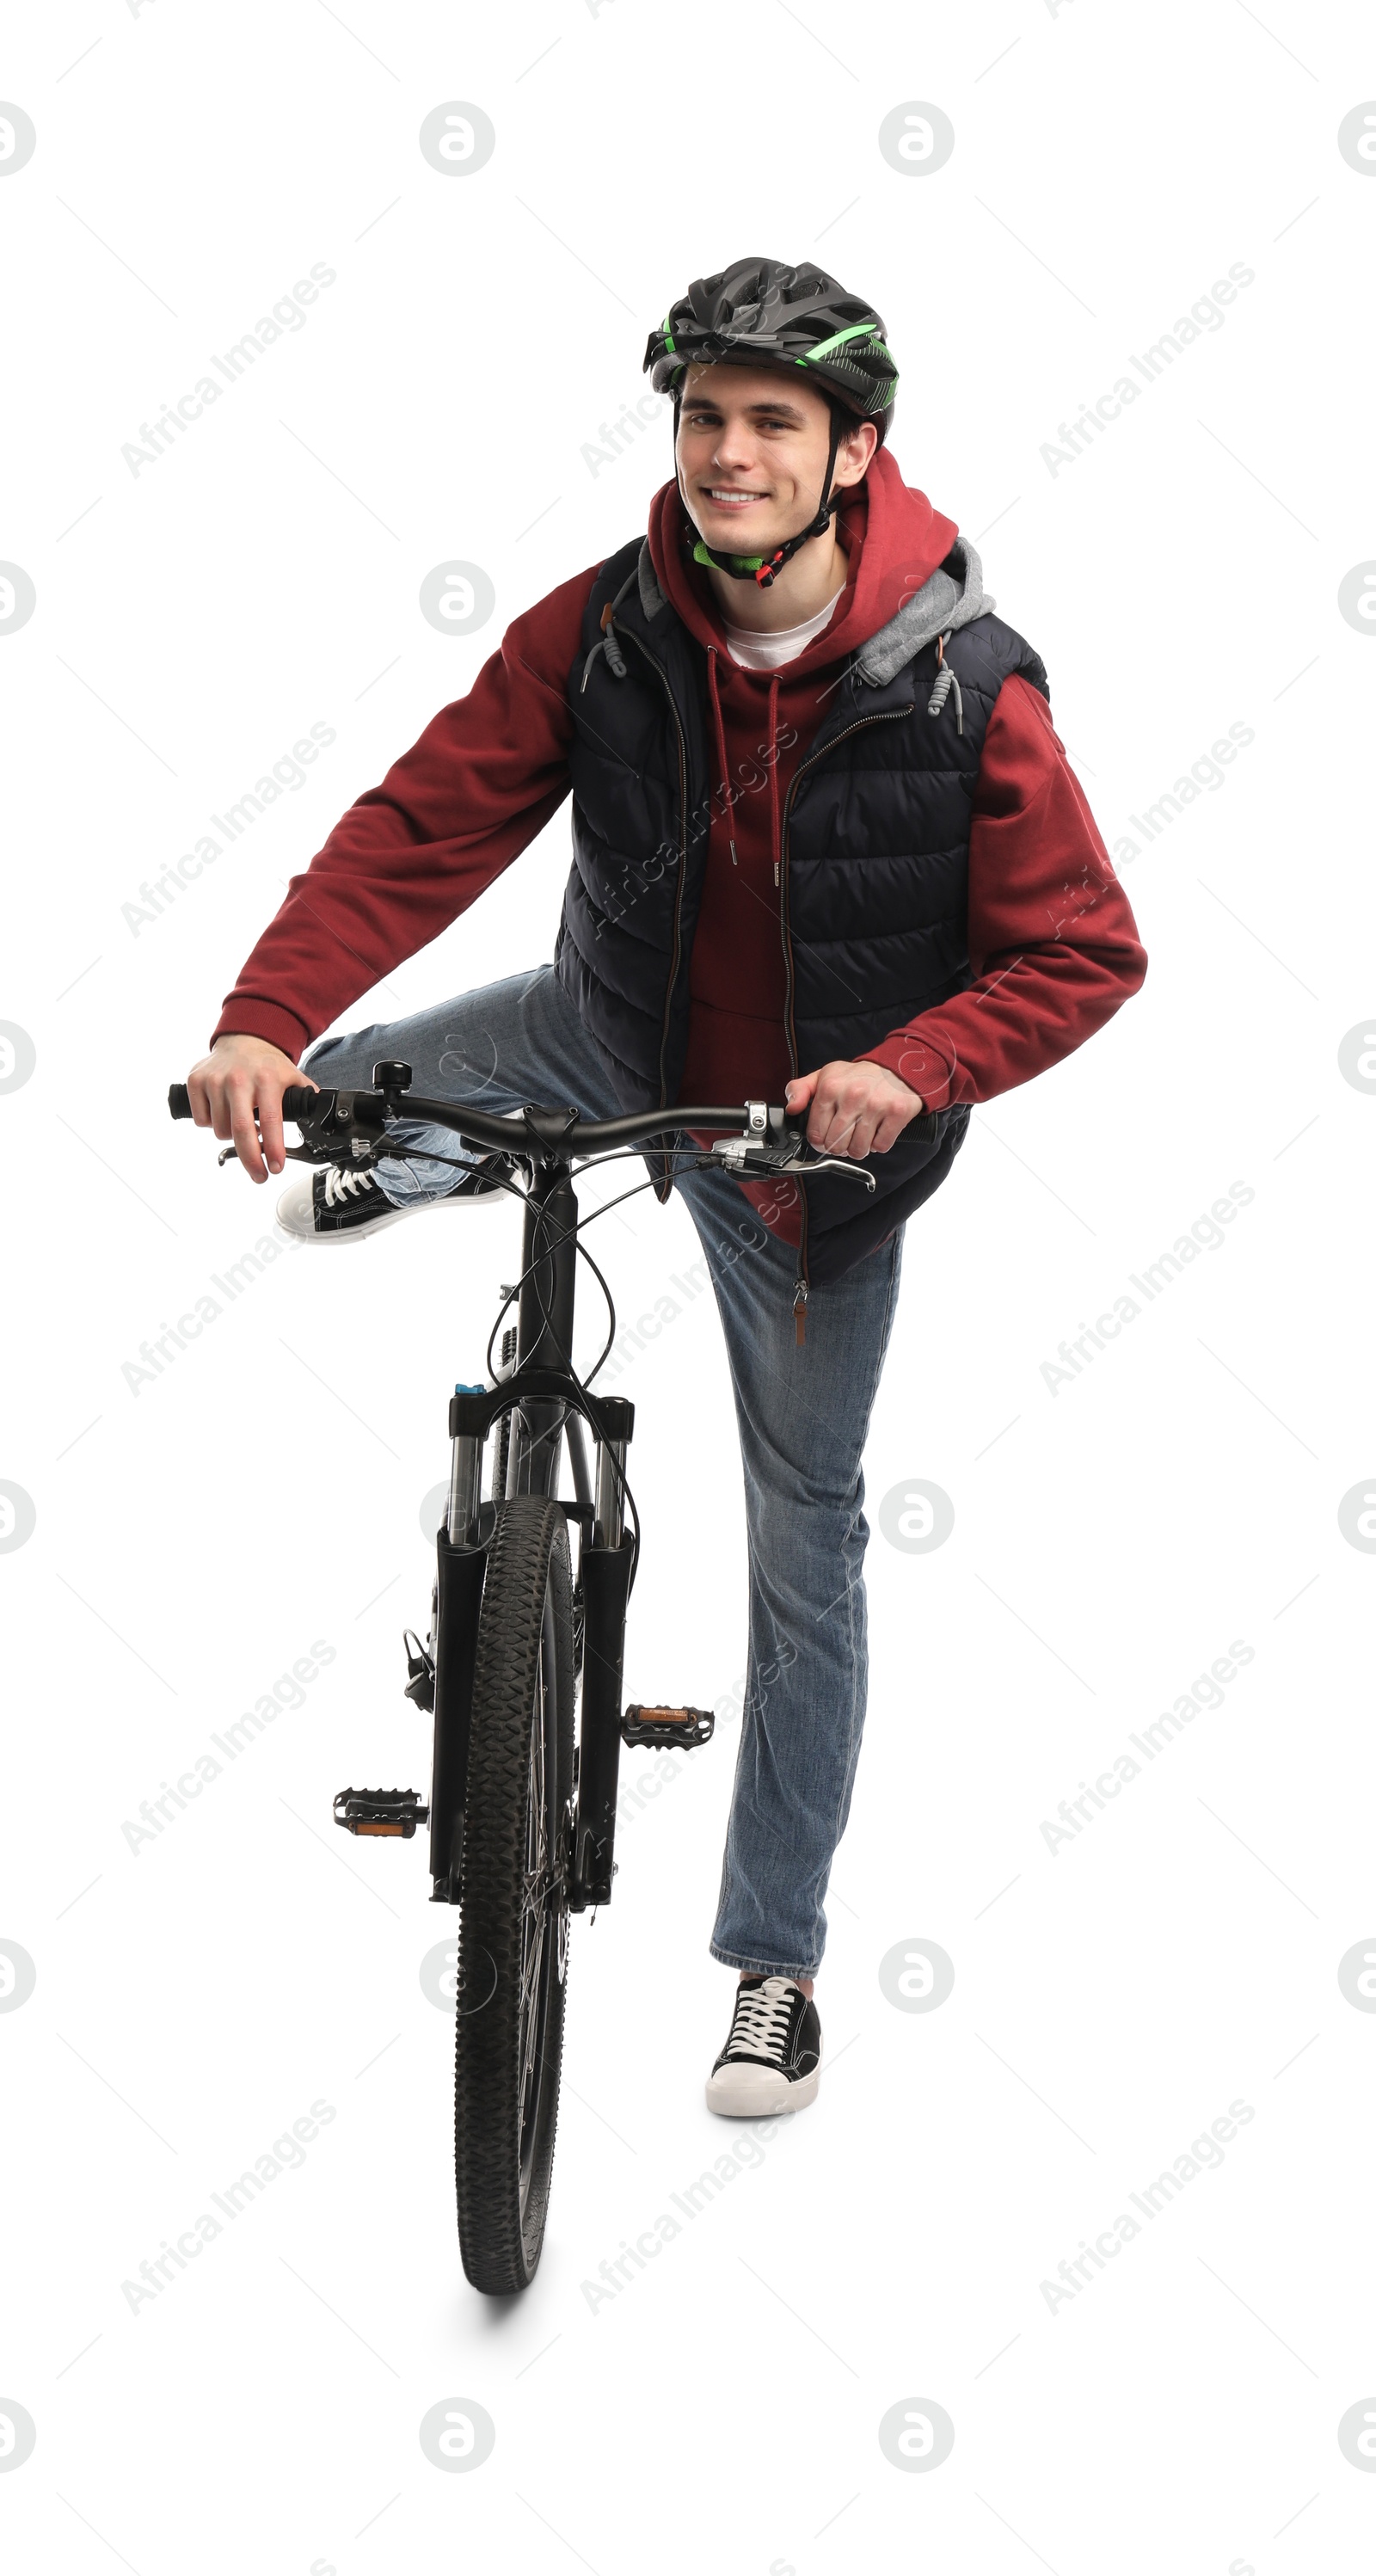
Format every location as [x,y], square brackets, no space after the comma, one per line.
[1111,1538]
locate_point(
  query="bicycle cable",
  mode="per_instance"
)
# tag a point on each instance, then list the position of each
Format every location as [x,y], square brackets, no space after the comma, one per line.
[692,1155]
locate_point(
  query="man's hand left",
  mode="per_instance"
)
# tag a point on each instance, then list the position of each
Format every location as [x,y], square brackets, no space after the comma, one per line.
[856,1109]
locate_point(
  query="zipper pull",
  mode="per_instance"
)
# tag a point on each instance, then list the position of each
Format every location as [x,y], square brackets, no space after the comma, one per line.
[800,1311]
[776,872]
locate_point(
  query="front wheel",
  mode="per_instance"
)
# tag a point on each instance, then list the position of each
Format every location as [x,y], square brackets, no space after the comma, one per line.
[513,1926]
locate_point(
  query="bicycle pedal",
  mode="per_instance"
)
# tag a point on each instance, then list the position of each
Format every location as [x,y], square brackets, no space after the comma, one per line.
[380,1811]
[685,1726]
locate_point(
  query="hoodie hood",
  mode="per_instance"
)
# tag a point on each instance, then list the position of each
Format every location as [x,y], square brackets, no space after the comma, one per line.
[909,576]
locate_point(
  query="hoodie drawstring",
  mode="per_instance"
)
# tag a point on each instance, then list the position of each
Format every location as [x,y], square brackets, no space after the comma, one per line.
[607,643]
[800,1285]
[719,727]
[774,833]
[714,700]
[771,755]
[943,684]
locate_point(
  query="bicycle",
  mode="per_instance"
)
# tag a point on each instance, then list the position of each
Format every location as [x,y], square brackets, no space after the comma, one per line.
[521,1816]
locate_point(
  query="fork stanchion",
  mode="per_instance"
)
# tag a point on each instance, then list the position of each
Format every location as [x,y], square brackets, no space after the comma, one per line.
[465,1487]
[611,1486]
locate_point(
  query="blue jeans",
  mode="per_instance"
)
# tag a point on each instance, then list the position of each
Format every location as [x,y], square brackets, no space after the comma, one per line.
[803,1416]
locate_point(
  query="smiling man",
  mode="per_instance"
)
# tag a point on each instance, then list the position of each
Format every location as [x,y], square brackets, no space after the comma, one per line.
[827,847]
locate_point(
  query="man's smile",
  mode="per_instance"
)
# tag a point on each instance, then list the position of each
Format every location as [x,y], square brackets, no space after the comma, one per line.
[726,497]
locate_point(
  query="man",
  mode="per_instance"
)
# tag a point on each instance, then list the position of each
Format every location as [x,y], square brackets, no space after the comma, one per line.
[827,847]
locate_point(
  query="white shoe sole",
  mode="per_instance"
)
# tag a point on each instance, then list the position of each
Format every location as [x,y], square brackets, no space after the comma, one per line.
[757,2093]
[294,1216]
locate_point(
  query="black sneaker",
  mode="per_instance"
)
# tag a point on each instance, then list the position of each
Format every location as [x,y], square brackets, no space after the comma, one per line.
[338,1203]
[772,2059]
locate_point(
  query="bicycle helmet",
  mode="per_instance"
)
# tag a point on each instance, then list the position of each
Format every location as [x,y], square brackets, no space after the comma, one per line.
[761,312]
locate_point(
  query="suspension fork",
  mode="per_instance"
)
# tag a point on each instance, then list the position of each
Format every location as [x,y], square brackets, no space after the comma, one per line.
[458,1599]
[605,1553]
[544,1338]
[461,1543]
[605,1568]
[606,1589]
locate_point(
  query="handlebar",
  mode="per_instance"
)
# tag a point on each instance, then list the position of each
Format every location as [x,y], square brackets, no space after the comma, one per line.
[329,1114]
[770,1138]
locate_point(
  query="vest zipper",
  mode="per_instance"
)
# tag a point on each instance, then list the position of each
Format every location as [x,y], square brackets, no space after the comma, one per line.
[663,678]
[890,715]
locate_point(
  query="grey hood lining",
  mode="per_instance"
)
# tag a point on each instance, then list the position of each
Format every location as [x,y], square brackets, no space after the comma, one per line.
[947,600]
[652,598]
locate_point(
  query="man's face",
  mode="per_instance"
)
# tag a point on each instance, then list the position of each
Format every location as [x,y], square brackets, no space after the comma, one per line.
[752,452]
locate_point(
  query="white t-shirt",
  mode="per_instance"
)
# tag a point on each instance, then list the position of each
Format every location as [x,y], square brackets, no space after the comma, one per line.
[767,652]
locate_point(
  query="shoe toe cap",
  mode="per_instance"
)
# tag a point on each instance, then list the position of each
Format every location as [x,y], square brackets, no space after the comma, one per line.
[296,1208]
[744,2092]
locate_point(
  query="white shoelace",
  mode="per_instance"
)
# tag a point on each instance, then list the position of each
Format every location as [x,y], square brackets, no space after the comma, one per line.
[342,1184]
[761,2023]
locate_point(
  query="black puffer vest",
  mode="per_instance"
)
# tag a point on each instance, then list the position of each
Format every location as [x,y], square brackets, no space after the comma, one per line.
[875,849]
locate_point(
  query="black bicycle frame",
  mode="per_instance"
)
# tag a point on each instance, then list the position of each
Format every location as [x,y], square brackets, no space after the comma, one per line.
[542,1391]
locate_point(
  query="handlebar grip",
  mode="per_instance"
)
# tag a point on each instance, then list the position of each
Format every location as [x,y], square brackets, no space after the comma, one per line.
[297,1101]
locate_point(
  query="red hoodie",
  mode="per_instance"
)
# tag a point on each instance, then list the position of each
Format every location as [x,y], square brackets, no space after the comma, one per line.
[765,722]
[1053,944]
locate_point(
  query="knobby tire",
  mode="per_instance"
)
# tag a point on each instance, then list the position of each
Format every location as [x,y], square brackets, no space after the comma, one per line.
[507,2065]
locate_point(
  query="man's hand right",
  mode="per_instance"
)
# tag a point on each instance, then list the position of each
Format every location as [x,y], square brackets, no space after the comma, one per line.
[239,1075]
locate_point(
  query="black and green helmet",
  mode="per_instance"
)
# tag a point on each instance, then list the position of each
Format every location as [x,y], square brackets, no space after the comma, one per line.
[761,312]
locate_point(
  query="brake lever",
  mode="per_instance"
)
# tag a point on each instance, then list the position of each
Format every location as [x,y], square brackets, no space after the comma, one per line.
[836,1163]
[360,1151]
[740,1155]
